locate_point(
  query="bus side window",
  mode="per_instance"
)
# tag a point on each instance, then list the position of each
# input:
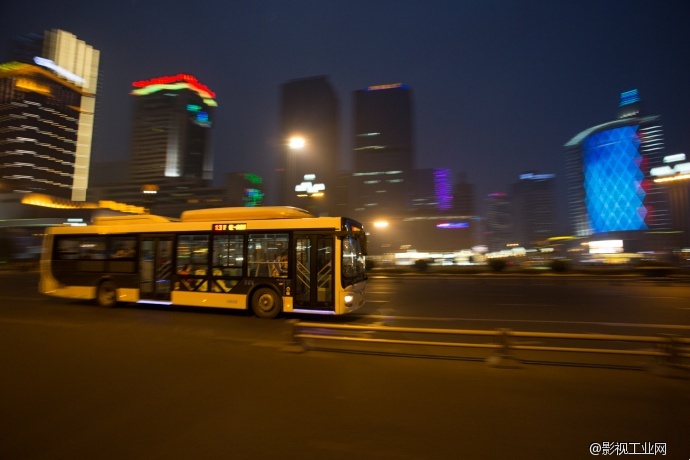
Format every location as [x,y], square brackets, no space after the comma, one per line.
[67,248]
[191,265]
[228,254]
[123,247]
[279,267]
[227,261]
[265,252]
[92,248]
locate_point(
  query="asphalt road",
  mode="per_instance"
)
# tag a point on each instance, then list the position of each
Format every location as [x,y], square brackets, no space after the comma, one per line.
[540,303]
[78,381]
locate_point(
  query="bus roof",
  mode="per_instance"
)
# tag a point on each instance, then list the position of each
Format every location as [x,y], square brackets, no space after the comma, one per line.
[239,213]
[133,219]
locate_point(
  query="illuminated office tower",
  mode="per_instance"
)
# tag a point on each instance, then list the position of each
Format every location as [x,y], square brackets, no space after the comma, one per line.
[171,130]
[383,149]
[534,208]
[309,111]
[608,171]
[47,108]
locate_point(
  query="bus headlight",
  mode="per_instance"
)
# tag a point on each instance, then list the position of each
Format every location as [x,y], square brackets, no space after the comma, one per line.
[348,300]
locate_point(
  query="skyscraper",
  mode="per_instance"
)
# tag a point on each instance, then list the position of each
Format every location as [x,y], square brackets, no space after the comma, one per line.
[463,197]
[383,149]
[47,108]
[309,111]
[171,130]
[608,170]
[499,221]
[534,208]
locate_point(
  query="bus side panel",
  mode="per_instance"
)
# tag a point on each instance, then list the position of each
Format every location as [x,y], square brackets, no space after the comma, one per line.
[219,300]
[127,295]
[90,273]
[209,299]
[67,292]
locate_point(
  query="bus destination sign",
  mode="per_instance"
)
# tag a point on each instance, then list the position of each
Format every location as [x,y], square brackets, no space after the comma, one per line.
[228,227]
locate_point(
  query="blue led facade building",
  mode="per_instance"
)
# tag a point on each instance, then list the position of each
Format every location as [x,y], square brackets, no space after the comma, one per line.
[608,170]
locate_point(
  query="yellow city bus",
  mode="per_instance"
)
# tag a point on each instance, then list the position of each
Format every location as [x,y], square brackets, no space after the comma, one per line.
[268,260]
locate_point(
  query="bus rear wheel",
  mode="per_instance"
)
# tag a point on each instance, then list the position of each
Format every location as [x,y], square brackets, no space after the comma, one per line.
[106,295]
[266,303]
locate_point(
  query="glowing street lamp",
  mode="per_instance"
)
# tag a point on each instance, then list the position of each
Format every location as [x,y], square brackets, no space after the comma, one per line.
[294,146]
[296,143]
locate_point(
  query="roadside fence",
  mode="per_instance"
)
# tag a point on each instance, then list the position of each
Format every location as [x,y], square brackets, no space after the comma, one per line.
[504,348]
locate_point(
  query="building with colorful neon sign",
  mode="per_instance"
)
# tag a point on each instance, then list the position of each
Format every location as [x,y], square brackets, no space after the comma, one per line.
[171,130]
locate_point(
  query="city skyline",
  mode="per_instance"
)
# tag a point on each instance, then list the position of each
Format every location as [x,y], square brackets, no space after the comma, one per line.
[499,87]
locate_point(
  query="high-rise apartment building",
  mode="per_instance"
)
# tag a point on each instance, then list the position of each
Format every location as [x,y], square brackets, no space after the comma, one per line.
[608,170]
[47,108]
[383,150]
[171,130]
[533,203]
[310,131]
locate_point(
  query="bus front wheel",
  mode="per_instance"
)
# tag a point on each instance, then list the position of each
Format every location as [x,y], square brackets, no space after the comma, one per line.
[106,295]
[266,303]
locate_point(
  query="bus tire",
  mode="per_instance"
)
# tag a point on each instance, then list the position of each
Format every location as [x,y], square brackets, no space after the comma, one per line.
[266,303]
[106,294]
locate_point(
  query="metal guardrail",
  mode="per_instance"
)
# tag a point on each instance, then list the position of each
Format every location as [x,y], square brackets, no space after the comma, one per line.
[668,350]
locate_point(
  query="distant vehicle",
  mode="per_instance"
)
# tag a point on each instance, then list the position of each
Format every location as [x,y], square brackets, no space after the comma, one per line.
[19,251]
[267,259]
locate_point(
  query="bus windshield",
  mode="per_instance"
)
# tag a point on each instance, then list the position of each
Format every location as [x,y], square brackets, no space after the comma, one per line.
[354,250]
[353,261]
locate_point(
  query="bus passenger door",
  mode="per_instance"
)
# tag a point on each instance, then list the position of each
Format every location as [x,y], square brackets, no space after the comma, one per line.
[314,272]
[155,267]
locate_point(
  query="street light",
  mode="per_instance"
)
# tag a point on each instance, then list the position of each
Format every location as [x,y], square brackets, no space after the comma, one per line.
[381,223]
[296,143]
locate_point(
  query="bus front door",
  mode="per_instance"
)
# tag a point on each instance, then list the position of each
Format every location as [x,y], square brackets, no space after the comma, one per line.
[314,272]
[155,267]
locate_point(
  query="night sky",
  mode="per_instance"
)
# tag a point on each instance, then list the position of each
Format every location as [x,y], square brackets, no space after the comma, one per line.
[499,86]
